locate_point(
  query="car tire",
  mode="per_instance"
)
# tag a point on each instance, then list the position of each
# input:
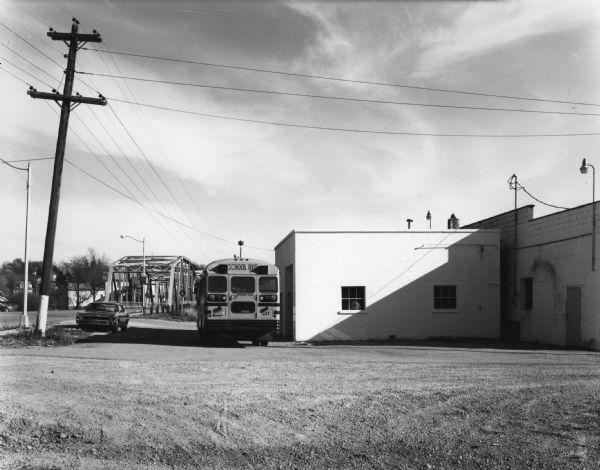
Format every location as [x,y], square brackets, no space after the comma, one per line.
[255,342]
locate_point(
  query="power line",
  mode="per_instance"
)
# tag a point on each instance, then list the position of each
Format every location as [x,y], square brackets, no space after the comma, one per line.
[127,90]
[12,166]
[28,160]
[25,40]
[345,80]
[148,126]
[514,184]
[110,171]
[152,166]
[158,212]
[29,62]
[361,131]
[540,201]
[26,72]
[339,98]
[118,165]
[14,76]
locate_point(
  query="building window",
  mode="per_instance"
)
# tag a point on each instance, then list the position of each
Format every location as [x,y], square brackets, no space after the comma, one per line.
[444,298]
[526,293]
[353,297]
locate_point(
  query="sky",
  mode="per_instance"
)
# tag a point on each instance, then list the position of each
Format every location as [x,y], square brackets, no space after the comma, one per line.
[223,164]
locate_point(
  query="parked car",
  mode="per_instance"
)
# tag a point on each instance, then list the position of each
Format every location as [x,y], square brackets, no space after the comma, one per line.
[6,307]
[103,315]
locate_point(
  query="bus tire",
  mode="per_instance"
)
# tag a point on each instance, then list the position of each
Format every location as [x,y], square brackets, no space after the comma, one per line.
[205,337]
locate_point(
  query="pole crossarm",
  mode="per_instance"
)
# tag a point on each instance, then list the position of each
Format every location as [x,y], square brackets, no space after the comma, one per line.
[71,99]
[79,37]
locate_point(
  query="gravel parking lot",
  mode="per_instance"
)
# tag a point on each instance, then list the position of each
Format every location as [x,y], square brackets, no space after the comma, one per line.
[154,398]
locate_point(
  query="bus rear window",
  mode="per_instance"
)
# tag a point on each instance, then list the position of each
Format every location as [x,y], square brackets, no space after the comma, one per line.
[242,285]
[217,284]
[267,284]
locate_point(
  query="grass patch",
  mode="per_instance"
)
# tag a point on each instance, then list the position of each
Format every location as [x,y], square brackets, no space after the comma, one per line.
[175,316]
[55,336]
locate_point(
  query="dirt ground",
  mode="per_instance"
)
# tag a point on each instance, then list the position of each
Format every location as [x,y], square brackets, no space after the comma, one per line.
[153,398]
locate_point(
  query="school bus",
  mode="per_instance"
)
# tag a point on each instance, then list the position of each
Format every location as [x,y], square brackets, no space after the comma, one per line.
[238,297]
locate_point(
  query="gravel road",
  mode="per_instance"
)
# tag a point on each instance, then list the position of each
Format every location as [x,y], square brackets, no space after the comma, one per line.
[153,398]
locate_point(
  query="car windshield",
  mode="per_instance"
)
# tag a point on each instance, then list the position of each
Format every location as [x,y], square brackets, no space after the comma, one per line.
[101,308]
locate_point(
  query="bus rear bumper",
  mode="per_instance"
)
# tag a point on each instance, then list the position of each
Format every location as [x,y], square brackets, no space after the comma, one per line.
[250,329]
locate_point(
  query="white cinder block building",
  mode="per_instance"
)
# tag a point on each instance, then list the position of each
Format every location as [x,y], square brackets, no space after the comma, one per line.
[550,293]
[385,285]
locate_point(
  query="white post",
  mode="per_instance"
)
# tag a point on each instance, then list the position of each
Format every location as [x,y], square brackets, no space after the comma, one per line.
[145,280]
[25,316]
[43,314]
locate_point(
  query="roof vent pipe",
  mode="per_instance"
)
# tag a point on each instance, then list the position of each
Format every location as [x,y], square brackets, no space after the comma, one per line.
[409,221]
[453,223]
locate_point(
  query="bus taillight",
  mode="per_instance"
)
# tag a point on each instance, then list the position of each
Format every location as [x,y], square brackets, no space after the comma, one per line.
[214,297]
[268,298]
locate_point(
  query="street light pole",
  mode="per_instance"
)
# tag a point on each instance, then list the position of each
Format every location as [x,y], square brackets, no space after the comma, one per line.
[584,170]
[24,322]
[143,242]
[25,317]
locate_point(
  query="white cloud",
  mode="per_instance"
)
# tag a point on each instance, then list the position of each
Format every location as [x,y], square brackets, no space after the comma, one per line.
[486,26]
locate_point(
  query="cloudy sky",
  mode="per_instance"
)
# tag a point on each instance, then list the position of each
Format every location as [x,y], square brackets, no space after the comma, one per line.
[218,166]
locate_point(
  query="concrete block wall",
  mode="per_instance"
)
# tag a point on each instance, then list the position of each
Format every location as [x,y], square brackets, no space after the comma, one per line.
[555,251]
[398,271]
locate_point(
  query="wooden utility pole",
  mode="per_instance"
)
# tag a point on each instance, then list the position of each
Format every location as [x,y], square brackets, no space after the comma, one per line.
[75,41]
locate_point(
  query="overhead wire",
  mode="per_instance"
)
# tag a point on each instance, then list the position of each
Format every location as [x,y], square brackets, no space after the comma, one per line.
[120,192]
[345,80]
[28,61]
[15,76]
[361,131]
[31,45]
[26,72]
[158,212]
[515,185]
[153,137]
[131,196]
[30,159]
[160,178]
[128,160]
[338,98]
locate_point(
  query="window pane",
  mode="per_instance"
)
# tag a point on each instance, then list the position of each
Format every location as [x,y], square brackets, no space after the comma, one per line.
[267,284]
[217,284]
[242,285]
[444,297]
[353,297]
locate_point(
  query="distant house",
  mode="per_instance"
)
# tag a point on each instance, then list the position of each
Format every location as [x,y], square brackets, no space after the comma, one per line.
[389,285]
[549,291]
[20,287]
[85,295]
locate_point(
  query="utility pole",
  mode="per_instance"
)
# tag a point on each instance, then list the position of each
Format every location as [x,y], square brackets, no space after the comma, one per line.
[75,41]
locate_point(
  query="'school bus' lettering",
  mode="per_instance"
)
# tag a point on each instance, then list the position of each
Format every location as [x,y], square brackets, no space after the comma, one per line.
[241,267]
